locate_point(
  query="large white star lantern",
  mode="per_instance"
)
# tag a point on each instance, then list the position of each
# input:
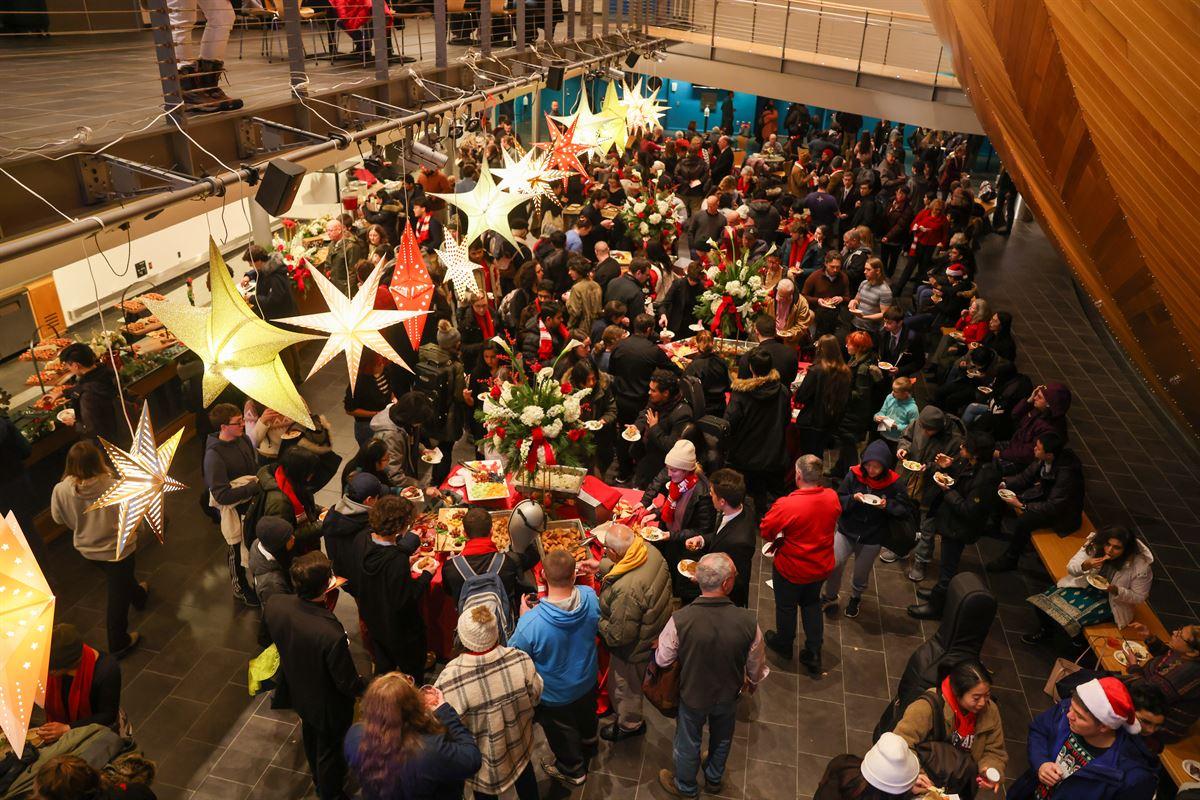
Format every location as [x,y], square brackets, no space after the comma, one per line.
[642,112]
[486,207]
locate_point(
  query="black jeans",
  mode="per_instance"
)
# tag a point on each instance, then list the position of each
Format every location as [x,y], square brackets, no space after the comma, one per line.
[566,728]
[890,253]
[918,264]
[952,550]
[527,788]
[323,749]
[123,591]
[807,596]
[1022,529]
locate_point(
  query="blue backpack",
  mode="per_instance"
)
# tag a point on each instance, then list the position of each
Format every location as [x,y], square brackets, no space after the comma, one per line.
[486,589]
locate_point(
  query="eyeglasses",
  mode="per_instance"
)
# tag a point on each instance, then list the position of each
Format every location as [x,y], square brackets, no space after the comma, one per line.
[233,423]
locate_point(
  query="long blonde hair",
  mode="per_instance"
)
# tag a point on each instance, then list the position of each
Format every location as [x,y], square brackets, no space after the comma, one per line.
[394,718]
[982,311]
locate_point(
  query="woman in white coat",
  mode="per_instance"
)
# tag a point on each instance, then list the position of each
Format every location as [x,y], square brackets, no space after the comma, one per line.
[1105,582]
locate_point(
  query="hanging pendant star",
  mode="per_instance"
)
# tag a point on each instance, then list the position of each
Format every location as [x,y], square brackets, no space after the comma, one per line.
[486,207]
[235,346]
[460,270]
[411,288]
[614,128]
[142,480]
[642,113]
[352,324]
[564,150]
[531,176]
[587,126]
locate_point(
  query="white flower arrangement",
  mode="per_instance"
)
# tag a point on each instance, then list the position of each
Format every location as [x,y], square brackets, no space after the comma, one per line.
[532,415]
[655,219]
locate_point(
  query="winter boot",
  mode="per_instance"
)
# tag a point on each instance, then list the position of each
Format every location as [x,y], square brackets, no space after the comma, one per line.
[210,79]
[195,97]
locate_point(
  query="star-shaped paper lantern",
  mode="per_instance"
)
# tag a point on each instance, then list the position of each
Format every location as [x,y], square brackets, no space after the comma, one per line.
[532,176]
[614,128]
[564,150]
[26,623]
[235,346]
[642,112]
[352,324]
[460,270]
[587,125]
[411,287]
[486,207]
[142,480]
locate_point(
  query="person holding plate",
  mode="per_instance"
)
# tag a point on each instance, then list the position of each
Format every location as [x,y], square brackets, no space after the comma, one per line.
[684,509]
[1106,580]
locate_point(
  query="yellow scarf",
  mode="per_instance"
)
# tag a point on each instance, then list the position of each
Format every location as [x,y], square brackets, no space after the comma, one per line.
[634,557]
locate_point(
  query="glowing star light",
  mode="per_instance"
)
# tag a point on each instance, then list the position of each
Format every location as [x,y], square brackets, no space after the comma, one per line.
[486,207]
[235,346]
[588,126]
[142,480]
[352,324]
[531,176]
[460,270]
[26,622]
[411,288]
[564,150]
[614,128]
[642,113]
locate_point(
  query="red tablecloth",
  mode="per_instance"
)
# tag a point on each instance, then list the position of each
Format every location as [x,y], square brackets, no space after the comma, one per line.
[511,501]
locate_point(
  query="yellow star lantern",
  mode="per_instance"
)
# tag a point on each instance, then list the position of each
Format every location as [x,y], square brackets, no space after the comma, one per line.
[352,324]
[235,346]
[486,207]
[588,126]
[531,176]
[26,623]
[642,113]
[564,150]
[615,127]
[460,270]
[142,480]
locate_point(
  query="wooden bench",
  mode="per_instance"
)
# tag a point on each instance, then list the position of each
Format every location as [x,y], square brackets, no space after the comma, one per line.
[1056,552]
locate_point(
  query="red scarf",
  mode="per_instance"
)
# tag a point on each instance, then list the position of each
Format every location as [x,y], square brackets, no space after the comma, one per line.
[882,482]
[675,490]
[964,724]
[486,326]
[480,546]
[285,486]
[546,341]
[79,698]
[421,229]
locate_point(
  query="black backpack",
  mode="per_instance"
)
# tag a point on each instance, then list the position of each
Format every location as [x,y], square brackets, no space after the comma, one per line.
[436,381]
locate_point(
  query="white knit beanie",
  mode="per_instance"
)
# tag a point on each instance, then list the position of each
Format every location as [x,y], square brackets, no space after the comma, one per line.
[477,629]
[890,766]
[682,456]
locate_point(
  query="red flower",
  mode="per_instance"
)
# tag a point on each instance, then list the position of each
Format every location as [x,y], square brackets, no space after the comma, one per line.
[565,386]
[498,431]
[575,434]
[289,224]
[279,248]
[495,391]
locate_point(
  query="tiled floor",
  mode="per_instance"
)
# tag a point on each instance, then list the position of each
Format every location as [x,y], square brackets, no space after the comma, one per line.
[186,688]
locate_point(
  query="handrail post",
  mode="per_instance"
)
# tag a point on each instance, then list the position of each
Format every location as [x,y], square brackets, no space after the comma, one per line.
[520,26]
[604,14]
[570,20]
[485,27]
[888,42]
[295,46]
[379,33]
[168,73]
[936,72]
[549,19]
[439,34]
[712,46]
[787,18]
[862,45]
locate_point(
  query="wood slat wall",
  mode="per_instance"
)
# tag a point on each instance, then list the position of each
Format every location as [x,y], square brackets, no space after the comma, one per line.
[1090,104]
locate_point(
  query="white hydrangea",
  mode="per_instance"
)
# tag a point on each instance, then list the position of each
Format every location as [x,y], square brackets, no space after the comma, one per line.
[654,219]
[532,415]
[525,450]
[492,410]
[555,411]
[297,250]
[644,228]
[712,273]
[571,409]
[755,282]
[663,206]
[735,289]
[638,208]
[716,304]
[553,429]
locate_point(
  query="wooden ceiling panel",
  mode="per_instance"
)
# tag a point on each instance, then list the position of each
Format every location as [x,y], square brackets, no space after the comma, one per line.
[1093,106]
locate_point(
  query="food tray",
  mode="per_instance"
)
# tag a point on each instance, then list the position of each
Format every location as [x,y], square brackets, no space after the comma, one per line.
[735,345]
[563,534]
[485,480]
[554,478]
[450,538]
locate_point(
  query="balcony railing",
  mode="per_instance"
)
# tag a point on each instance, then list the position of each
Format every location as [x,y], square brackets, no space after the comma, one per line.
[864,41]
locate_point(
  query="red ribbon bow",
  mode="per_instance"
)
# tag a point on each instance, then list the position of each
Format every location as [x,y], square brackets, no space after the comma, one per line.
[538,441]
[727,305]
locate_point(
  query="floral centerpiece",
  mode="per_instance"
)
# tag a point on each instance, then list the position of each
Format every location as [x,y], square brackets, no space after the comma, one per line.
[736,294]
[297,256]
[534,421]
[650,220]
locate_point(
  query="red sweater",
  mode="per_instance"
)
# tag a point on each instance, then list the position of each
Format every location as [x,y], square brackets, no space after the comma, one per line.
[807,519]
[937,228]
[971,331]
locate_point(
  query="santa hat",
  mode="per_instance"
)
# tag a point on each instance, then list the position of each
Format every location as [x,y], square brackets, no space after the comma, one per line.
[1109,702]
[956,269]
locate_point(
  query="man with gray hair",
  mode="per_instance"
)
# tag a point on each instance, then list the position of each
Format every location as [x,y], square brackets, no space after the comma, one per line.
[635,604]
[720,652]
[800,527]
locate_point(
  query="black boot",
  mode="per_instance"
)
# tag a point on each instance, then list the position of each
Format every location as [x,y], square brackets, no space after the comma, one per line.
[210,78]
[195,97]
[242,590]
[812,662]
[930,609]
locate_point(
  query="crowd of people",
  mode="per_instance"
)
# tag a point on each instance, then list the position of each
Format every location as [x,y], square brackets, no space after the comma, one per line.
[880,413]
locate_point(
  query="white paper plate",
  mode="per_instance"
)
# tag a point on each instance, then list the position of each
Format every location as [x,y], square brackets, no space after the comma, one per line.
[433,456]
[871,499]
[593,424]
[635,438]
[683,563]
[457,481]
[1006,494]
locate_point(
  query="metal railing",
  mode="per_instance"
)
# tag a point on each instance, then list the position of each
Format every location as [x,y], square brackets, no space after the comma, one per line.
[865,41]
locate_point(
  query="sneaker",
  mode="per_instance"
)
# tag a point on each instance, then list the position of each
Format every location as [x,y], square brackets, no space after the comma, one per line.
[1035,638]
[666,779]
[852,606]
[916,572]
[888,557]
[249,597]
[713,788]
[771,638]
[830,606]
[615,733]
[554,772]
[134,638]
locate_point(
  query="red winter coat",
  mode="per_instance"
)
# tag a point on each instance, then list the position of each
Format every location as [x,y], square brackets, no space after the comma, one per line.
[937,228]
[807,518]
[353,14]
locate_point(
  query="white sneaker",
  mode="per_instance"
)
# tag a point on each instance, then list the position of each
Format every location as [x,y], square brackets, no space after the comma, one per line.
[888,557]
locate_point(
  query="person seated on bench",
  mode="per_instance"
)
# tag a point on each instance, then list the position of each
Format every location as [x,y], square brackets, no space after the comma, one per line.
[1174,668]
[84,687]
[1049,494]
[1113,558]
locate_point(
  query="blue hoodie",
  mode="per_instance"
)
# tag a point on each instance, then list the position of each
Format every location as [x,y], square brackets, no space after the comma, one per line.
[562,645]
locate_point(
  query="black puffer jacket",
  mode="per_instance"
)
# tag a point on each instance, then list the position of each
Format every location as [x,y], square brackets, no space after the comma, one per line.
[865,523]
[758,414]
[651,450]
[344,523]
[1055,493]
[713,374]
[964,509]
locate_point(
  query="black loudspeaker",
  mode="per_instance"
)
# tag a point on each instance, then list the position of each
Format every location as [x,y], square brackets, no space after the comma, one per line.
[654,83]
[631,60]
[279,185]
[554,80]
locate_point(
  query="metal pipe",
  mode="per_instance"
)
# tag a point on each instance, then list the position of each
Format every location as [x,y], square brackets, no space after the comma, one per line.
[217,183]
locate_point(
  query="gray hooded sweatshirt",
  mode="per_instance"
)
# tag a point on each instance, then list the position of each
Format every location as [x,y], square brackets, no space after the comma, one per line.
[95,531]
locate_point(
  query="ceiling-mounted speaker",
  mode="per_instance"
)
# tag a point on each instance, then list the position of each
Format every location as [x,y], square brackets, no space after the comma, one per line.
[631,60]
[554,79]
[654,83]
[279,185]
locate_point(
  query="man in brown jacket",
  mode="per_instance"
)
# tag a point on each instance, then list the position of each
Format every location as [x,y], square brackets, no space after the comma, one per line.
[586,299]
[635,604]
